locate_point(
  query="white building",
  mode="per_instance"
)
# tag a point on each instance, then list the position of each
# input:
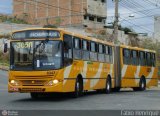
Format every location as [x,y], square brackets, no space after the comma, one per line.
[96,14]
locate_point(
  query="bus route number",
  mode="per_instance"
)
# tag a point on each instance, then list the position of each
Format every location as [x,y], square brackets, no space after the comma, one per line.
[24,45]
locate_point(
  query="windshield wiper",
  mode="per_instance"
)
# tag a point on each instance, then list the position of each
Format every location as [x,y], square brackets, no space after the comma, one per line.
[42,43]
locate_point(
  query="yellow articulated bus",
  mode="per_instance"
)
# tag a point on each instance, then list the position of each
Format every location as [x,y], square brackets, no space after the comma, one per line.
[44,60]
[135,68]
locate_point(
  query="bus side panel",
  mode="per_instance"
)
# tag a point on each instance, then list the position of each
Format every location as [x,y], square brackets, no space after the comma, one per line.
[128,73]
[107,70]
[94,74]
[152,77]
[70,74]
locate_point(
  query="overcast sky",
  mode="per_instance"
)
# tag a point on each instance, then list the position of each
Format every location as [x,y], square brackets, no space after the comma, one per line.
[6,6]
[143,21]
[126,8]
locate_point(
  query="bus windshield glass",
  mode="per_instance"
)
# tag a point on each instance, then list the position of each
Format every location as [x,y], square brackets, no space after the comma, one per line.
[36,55]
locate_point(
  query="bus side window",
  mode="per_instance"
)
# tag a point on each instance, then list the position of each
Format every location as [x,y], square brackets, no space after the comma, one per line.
[85,50]
[100,53]
[110,54]
[107,56]
[93,51]
[126,56]
[153,59]
[104,52]
[135,59]
[148,59]
[77,48]
[67,49]
[142,58]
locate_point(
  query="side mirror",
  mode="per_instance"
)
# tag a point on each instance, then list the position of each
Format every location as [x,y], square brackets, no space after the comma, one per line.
[5,49]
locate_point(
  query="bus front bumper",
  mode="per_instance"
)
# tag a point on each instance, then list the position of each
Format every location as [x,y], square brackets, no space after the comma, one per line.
[28,89]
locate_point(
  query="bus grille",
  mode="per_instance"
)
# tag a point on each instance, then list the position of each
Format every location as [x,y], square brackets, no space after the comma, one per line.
[33,82]
[34,77]
[32,90]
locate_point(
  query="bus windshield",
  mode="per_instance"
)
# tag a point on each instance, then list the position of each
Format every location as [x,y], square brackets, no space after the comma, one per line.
[36,55]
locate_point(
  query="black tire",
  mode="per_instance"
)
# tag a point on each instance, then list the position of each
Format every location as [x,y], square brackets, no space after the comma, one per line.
[142,85]
[108,86]
[78,88]
[100,91]
[136,88]
[117,89]
[34,95]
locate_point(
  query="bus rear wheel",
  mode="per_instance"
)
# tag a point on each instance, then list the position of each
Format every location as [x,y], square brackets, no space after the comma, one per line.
[142,85]
[108,86]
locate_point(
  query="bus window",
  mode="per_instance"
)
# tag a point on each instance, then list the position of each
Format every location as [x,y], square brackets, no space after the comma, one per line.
[153,59]
[67,46]
[110,54]
[85,48]
[93,53]
[148,59]
[110,51]
[67,49]
[135,59]
[77,48]
[100,54]
[142,59]
[126,56]
[107,57]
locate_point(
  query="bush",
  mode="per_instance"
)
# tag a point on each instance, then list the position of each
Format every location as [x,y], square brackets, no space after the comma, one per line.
[4,58]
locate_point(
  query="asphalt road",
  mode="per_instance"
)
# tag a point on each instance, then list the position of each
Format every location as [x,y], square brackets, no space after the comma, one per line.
[126,99]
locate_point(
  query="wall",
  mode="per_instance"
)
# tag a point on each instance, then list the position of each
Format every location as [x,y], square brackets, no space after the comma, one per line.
[59,12]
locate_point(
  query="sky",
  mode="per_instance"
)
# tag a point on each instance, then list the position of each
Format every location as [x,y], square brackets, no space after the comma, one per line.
[126,9]
[140,22]
[6,6]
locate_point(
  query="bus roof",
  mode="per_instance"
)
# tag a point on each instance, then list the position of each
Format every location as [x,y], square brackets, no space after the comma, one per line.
[137,48]
[63,30]
[68,32]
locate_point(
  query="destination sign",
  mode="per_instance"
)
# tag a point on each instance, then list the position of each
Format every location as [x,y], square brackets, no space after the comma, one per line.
[36,34]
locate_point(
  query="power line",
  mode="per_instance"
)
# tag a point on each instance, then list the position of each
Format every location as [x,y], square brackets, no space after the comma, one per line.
[141,27]
[125,5]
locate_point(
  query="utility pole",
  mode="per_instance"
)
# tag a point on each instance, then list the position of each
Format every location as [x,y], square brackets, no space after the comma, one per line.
[116,22]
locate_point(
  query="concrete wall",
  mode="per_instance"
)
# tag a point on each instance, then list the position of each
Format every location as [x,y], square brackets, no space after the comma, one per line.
[96,14]
[97,7]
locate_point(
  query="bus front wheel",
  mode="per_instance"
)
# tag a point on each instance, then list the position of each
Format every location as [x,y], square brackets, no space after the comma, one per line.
[78,88]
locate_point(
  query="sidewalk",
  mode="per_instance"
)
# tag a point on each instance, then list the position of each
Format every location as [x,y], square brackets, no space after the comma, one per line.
[5,68]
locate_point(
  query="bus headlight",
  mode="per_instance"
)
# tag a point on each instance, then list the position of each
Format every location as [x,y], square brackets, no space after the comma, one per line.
[53,82]
[14,82]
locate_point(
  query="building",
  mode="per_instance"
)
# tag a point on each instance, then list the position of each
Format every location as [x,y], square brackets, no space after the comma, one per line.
[58,12]
[62,12]
[96,14]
